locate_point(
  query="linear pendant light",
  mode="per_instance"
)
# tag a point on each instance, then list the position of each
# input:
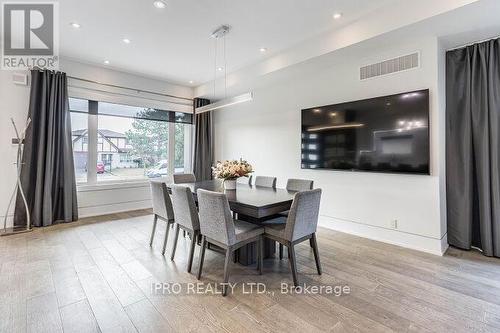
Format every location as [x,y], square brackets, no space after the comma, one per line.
[226,102]
[219,33]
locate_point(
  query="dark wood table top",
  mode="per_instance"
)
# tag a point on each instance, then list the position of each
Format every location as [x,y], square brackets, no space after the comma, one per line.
[254,201]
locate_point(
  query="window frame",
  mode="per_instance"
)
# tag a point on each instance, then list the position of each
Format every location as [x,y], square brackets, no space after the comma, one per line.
[92,151]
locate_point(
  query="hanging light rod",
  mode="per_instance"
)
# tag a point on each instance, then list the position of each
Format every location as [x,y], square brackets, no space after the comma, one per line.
[225,103]
[220,33]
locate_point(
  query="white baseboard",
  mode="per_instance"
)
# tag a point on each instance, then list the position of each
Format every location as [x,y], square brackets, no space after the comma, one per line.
[416,242]
[97,210]
[113,208]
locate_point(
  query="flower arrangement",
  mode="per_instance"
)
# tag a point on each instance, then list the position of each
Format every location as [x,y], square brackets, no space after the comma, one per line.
[232,170]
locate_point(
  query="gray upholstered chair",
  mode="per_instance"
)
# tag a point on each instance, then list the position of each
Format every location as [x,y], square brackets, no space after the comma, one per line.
[186,217]
[183,178]
[265,181]
[219,228]
[245,180]
[162,209]
[300,225]
[298,185]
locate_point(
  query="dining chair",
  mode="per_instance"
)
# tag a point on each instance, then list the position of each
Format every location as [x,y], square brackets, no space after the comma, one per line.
[162,209]
[296,185]
[265,181]
[245,180]
[183,178]
[186,218]
[219,228]
[301,225]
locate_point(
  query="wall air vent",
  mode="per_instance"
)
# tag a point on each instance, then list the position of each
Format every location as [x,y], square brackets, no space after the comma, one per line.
[390,66]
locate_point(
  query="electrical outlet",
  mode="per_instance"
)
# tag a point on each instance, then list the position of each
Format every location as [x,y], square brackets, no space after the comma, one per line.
[394,224]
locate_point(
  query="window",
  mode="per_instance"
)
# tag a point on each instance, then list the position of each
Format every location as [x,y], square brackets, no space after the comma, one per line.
[128,143]
[79,136]
[182,151]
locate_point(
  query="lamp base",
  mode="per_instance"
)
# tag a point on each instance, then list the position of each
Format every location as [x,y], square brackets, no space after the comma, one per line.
[14,231]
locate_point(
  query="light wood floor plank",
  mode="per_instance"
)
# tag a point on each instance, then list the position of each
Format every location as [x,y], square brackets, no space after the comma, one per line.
[79,318]
[43,314]
[12,298]
[146,318]
[67,286]
[122,285]
[108,311]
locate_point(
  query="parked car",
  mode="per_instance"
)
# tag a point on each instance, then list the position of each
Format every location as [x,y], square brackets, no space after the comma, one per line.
[100,167]
[159,170]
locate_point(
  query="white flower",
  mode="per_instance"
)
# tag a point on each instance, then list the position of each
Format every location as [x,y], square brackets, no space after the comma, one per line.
[232,169]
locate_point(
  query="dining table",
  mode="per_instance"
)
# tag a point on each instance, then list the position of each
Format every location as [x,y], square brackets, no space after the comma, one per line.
[250,203]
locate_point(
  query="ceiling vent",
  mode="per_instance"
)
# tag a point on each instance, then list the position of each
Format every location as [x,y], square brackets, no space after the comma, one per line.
[390,66]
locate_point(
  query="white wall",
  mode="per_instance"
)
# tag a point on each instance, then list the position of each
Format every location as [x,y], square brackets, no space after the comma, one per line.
[266,132]
[92,200]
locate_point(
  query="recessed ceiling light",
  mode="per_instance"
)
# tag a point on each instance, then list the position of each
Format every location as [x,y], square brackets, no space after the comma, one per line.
[317,110]
[220,69]
[126,40]
[333,114]
[159,4]
[337,16]
[75,25]
[191,82]
[263,50]
[106,62]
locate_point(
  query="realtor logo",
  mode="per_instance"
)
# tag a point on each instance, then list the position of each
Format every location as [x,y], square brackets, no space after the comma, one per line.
[30,35]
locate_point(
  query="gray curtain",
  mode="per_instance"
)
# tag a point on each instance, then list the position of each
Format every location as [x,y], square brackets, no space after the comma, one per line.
[472,147]
[203,142]
[48,175]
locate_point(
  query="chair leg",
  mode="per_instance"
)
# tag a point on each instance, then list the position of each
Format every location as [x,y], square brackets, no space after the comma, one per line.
[227,262]
[260,251]
[202,256]
[293,264]
[311,243]
[155,221]
[176,236]
[167,229]
[281,250]
[314,243]
[191,252]
[184,233]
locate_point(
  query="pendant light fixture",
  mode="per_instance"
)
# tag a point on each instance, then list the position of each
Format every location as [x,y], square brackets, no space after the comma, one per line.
[220,34]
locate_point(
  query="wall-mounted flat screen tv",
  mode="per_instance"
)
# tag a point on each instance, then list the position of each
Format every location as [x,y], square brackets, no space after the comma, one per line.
[382,134]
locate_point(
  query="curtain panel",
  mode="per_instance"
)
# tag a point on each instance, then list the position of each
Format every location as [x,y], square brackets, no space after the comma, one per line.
[472,147]
[48,174]
[203,158]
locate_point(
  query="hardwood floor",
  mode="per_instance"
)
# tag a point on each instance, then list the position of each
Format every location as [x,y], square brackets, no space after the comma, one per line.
[97,275]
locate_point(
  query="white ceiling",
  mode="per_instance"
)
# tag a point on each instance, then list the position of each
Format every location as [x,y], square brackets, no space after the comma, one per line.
[174,44]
